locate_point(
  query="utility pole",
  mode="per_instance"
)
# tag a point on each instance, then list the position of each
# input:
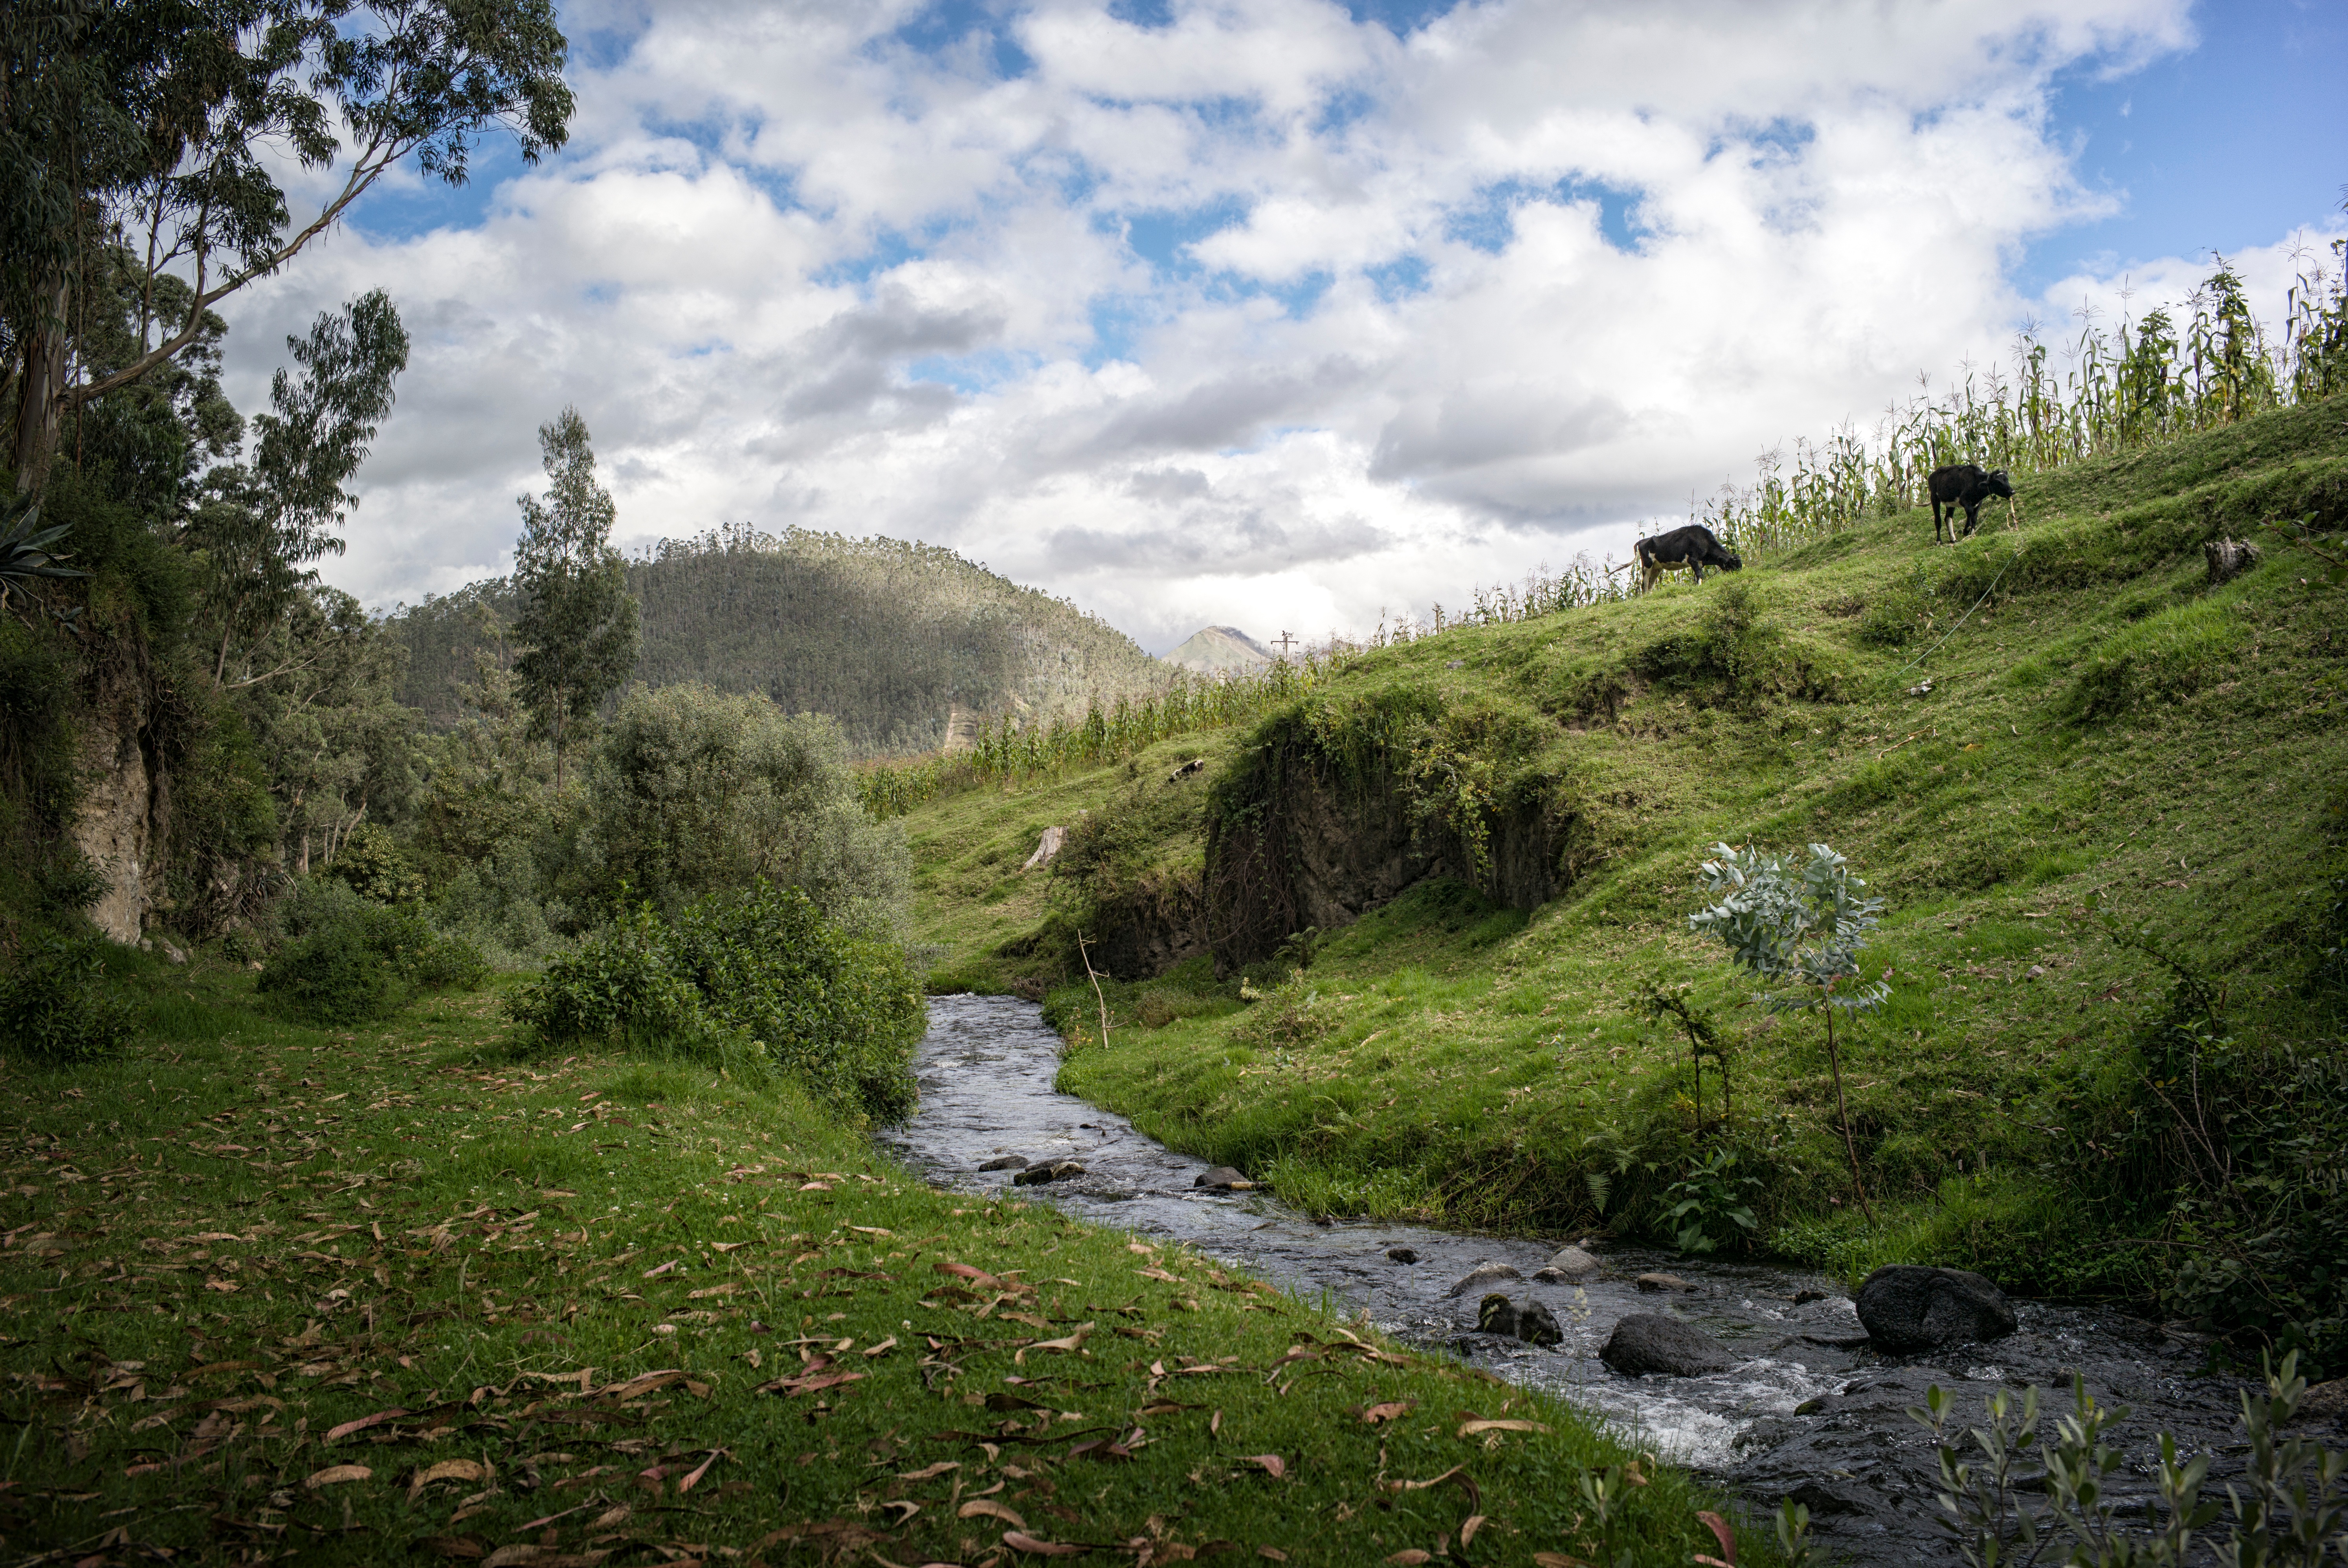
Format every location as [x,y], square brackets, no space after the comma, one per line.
[1286,642]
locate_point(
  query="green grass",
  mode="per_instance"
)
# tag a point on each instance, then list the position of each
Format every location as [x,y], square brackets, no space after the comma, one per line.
[566,1294]
[974,905]
[2104,720]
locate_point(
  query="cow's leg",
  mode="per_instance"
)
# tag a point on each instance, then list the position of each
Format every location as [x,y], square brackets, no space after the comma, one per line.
[1696,567]
[1972,518]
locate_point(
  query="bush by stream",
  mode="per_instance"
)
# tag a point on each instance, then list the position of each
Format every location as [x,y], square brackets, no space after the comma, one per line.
[759,978]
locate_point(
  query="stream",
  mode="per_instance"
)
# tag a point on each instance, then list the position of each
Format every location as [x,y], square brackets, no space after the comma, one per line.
[1809,1412]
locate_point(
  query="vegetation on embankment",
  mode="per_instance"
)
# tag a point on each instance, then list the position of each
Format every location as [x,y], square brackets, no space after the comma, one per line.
[2063,707]
[416,1287]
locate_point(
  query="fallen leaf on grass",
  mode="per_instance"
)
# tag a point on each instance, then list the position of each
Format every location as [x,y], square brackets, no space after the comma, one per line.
[656,1272]
[637,1388]
[791,1387]
[1557,1560]
[872,1230]
[883,1348]
[1392,1410]
[211,1366]
[1272,1465]
[1067,1345]
[712,1290]
[701,1470]
[930,1473]
[987,1508]
[1020,1541]
[1467,1528]
[334,1474]
[1271,1553]
[1720,1533]
[1410,1556]
[1469,1428]
[447,1470]
[467,1546]
[338,1433]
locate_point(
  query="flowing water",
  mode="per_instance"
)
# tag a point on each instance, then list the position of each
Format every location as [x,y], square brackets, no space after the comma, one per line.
[1809,1412]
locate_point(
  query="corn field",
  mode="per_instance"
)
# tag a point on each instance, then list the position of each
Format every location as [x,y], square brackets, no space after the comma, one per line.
[1010,753]
[2142,383]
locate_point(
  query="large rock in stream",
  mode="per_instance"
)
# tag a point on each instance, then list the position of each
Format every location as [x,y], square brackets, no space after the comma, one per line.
[1908,1307]
[1644,1342]
[1483,1274]
[1570,1263]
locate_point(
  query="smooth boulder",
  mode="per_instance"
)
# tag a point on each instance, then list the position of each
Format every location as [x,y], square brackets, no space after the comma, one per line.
[1646,1342]
[2325,1405]
[1004,1162]
[1402,1254]
[1572,1263]
[1654,1282]
[1910,1307]
[1052,1171]
[1496,1313]
[1482,1275]
[1223,1179]
[1536,1325]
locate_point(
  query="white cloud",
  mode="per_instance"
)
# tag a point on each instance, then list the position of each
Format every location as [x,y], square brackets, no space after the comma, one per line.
[1265,317]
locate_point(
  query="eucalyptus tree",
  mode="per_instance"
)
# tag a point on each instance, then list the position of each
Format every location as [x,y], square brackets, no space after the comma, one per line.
[260,525]
[1800,927]
[578,630]
[151,127]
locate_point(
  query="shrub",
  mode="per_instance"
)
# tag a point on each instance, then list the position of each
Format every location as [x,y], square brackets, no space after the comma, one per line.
[56,1006]
[763,970]
[363,962]
[700,793]
[373,865]
[333,976]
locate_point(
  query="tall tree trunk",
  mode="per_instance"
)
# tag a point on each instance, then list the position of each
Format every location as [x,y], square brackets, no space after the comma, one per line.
[34,439]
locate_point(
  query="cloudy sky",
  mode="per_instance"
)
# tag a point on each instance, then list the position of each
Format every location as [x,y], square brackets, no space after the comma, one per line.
[1276,313]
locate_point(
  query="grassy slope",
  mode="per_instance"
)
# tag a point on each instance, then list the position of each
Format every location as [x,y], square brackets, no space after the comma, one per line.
[1446,1059]
[971,896]
[225,1248]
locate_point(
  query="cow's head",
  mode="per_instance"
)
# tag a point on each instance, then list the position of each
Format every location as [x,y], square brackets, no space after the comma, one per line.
[1730,561]
[1999,485]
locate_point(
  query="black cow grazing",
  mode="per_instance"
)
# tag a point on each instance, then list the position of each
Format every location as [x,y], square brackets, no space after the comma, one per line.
[1692,548]
[1965,485]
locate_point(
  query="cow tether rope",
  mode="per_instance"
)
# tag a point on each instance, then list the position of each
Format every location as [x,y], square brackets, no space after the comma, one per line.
[1968,615]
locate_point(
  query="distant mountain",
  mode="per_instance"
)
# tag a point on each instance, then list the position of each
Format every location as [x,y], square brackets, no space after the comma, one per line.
[1220,650]
[898,642]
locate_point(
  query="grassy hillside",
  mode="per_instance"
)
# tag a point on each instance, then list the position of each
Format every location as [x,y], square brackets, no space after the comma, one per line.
[2063,707]
[885,636]
[413,1292]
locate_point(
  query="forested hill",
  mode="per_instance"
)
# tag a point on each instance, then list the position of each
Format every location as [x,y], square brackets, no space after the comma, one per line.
[886,636]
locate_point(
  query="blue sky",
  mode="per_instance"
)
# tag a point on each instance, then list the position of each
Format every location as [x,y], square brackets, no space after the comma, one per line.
[2218,147]
[1246,311]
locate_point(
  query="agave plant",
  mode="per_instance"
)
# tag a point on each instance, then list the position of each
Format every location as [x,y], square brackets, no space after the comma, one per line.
[27,552]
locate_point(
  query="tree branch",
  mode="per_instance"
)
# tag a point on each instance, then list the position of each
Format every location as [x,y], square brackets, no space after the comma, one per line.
[363,173]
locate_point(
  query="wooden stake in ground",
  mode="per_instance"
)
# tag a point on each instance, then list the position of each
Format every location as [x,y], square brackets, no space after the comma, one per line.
[1103,1000]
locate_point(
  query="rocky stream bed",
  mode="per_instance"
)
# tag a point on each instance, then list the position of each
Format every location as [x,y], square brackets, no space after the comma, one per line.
[1805,1408]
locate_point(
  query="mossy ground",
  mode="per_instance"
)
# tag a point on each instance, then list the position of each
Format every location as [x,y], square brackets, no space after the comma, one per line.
[2099,719]
[415,1290]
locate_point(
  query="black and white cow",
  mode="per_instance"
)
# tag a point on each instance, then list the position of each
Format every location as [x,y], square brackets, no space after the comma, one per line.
[1965,485]
[1692,548]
